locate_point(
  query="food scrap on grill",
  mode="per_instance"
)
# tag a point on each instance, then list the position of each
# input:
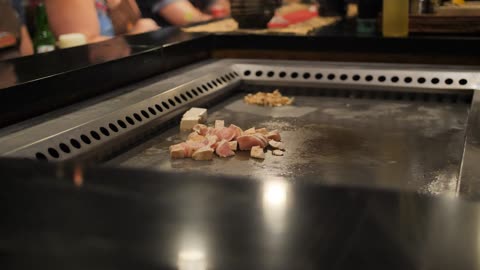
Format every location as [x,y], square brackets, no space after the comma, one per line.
[274,99]
[204,141]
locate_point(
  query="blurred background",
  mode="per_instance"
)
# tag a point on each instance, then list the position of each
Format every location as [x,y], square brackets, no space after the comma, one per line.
[38,26]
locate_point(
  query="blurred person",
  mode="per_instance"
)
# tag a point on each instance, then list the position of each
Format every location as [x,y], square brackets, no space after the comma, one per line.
[98,20]
[12,24]
[183,12]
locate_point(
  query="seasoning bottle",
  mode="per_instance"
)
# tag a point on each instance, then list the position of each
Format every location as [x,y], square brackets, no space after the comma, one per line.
[395,18]
[44,40]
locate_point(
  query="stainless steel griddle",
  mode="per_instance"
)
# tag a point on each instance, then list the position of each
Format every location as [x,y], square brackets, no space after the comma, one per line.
[374,125]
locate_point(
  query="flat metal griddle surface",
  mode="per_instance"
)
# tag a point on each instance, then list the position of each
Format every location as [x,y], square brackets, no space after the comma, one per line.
[356,142]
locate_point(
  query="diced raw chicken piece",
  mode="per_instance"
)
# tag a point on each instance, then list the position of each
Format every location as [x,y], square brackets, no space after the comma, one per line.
[225,133]
[233,145]
[201,129]
[277,153]
[249,131]
[246,142]
[219,123]
[223,149]
[212,140]
[276,145]
[194,136]
[204,153]
[274,135]
[177,151]
[262,131]
[238,130]
[196,145]
[187,123]
[257,152]
[263,138]
[211,131]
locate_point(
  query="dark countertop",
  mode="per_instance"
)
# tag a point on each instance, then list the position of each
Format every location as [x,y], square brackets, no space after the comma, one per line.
[124,219]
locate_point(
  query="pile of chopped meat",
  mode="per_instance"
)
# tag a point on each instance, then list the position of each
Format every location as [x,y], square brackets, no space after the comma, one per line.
[204,141]
[274,99]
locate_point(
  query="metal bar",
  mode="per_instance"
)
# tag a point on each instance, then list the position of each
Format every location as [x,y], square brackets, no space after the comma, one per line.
[469,179]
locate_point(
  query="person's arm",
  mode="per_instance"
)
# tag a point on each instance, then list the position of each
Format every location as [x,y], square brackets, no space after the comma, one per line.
[179,12]
[26,45]
[74,16]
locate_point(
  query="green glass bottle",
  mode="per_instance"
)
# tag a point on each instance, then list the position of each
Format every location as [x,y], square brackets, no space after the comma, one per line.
[44,40]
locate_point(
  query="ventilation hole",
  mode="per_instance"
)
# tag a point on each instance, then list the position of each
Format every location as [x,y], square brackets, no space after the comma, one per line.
[306,75]
[219,82]
[235,73]
[165,105]
[188,94]
[85,139]
[408,80]
[247,73]
[228,77]
[214,83]
[381,78]
[144,113]
[463,82]
[356,77]
[259,73]
[138,117]
[183,97]
[130,120]
[435,80]
[204,88]
[64,148]
[113,127]
[177,99]
[194,92]
[95,135]
[343,77]
[75,143]
[121,123]
[104,131]
[152,110]
[368,78]
[40,156]
[171,102]
[270,74]
[331,76]
[394,79]
[200,90]
[223,79]
[318,76]
[421,80]
[210,85]
[54,153]
[448,81]
[294,75]
[282,74]
[159,108]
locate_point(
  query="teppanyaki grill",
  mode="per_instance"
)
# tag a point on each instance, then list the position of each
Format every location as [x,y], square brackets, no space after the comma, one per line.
[373,125]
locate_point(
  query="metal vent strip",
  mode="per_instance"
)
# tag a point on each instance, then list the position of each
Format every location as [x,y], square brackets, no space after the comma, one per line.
[152,111]
[107,124]
[357,75]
